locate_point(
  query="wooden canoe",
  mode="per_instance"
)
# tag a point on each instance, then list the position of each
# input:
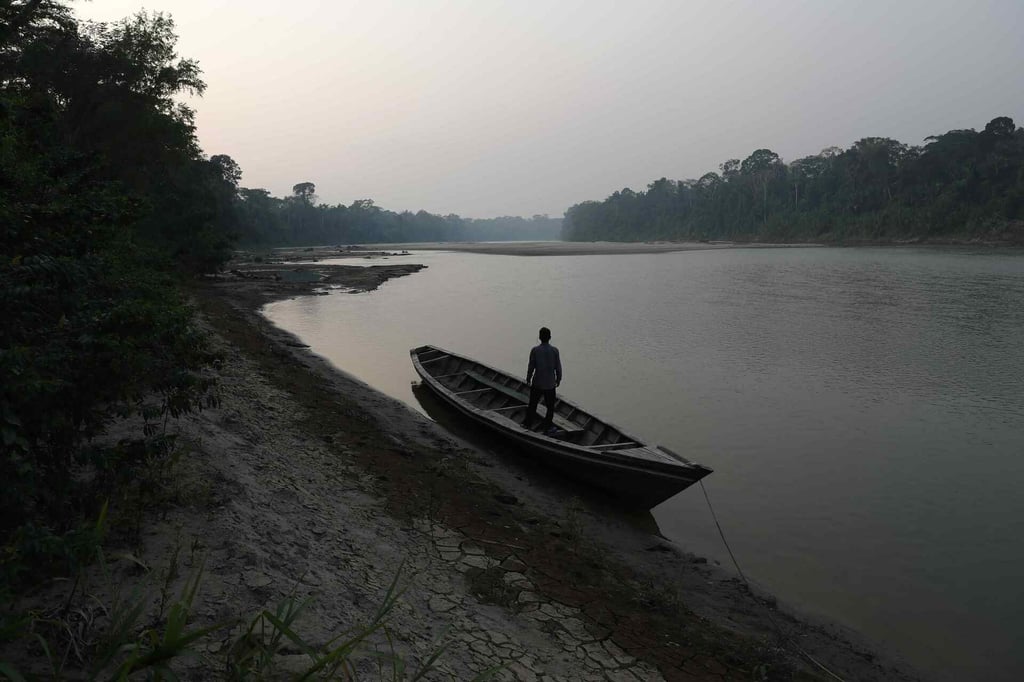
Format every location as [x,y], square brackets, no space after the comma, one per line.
[583,445]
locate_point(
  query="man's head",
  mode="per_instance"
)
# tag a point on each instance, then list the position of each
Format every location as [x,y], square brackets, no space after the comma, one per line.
[545,334]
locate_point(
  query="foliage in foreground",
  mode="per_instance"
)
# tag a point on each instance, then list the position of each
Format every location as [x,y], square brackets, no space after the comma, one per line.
[120,644]
[104,201]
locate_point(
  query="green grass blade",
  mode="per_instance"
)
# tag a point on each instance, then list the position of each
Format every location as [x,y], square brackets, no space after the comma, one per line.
[284,629]
[428,665]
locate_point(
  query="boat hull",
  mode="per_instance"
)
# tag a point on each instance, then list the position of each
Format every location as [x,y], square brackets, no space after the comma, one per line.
[632,471]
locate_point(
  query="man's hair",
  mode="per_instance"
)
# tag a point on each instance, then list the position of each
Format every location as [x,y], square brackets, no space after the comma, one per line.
[545,334]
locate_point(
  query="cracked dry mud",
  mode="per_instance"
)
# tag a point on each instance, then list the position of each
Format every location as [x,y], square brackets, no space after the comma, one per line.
[297,517]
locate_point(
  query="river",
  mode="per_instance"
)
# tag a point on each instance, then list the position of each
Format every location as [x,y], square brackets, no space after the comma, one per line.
[863,410]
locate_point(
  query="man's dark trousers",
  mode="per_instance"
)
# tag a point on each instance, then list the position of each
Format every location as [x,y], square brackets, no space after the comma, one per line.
[549,401]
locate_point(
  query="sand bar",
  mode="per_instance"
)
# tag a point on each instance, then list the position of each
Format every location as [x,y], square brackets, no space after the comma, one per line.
[574,248]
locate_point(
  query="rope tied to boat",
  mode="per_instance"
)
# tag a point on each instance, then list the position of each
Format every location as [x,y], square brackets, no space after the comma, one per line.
[778,629]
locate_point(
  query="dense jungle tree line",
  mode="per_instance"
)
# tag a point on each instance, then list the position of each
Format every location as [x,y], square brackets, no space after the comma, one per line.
[298,220]
[106,202]
[961,184]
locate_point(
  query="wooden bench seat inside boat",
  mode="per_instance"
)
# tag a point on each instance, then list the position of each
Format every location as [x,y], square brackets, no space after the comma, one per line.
[569,427]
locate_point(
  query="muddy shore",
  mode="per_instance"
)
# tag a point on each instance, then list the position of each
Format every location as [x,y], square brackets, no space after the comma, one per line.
[306,481]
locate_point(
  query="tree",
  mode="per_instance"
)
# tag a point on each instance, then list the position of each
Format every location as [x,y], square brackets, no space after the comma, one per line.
[873,164]
[760,161]
[305,192]
[228,169]
[106,202]
[364,206]
[760,167]
[709,181]
[730,168]
[1002,126]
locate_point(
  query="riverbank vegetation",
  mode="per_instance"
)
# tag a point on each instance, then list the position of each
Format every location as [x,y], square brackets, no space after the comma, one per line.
[106,204]
[960,185]
[298,220]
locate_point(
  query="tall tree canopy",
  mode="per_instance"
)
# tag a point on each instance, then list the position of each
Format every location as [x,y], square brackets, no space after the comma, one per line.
[105,201]
[960,184]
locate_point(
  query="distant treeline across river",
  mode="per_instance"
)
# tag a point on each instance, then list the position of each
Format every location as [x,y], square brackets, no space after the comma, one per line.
[297,220]
[960,185]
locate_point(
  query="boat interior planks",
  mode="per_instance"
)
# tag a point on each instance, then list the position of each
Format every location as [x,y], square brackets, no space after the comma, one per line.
[581,444]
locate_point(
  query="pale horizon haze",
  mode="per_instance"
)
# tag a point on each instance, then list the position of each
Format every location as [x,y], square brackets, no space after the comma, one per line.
[519,108]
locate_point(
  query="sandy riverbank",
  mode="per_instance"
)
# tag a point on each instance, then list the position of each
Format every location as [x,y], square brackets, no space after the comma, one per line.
[558,248]
[575,248]
[306,481]
[400,250]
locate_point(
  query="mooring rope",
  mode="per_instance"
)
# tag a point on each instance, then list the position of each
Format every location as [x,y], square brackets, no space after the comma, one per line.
[778,628]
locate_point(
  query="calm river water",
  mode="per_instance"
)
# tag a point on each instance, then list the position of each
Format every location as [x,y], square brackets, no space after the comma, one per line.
[863,410]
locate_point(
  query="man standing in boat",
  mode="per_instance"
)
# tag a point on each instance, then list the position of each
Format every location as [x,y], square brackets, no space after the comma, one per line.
[544,375]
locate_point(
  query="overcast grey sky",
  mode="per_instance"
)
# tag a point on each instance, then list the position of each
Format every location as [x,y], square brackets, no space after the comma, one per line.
[487,108]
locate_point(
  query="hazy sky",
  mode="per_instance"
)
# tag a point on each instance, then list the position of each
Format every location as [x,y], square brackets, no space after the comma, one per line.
[486,108]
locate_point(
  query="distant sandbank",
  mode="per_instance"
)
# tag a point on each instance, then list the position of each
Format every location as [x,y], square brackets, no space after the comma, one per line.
[574,248]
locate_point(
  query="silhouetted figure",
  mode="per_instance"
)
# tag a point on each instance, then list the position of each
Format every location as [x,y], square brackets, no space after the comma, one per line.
[544,375]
